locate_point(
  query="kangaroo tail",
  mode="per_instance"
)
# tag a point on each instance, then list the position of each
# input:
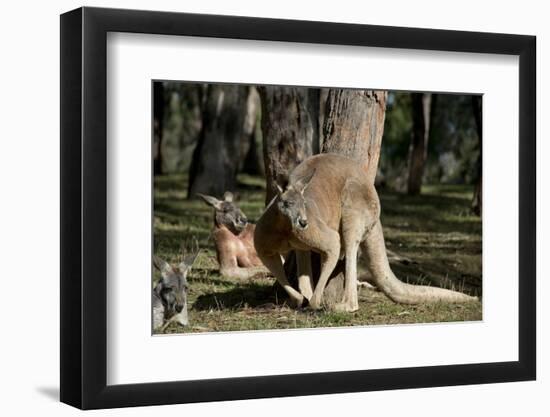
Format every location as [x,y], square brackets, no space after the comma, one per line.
[383,277]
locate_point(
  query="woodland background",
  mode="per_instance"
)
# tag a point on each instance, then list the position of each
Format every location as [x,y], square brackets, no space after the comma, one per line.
[212,138]
[428,138]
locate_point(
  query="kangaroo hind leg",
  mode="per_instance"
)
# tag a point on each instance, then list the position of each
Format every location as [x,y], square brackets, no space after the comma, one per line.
[358,213]
[329,249]
[350,300]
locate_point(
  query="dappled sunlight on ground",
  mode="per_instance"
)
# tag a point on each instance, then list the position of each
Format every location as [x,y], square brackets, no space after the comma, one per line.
[435,230]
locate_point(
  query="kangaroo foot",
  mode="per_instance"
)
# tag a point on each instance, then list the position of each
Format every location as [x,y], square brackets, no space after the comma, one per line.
[296,302]
[315,302]
[346,307]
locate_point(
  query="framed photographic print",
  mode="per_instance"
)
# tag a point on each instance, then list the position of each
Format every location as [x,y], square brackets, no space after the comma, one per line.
[256,208]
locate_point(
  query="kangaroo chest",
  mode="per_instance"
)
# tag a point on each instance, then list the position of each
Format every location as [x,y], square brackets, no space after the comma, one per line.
[297,244]
[227,242]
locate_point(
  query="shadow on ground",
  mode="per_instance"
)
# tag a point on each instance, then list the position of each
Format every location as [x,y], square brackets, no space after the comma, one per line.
[245,295]
[436,230]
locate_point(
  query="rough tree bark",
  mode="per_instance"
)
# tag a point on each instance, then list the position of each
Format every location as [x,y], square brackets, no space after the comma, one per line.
[158,117]
[477,200]
[288,132]
[418,149]
[217,155]
[353,126]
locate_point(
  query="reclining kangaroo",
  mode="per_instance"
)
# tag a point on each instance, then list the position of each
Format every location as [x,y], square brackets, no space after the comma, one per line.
[170,294]
[233,237]
[329,207]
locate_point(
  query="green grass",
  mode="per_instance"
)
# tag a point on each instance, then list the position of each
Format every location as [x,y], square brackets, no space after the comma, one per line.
[436,230]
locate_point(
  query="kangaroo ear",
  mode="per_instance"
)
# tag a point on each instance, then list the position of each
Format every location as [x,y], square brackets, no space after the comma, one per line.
[163,266]
[189,260]
[228,196]
[211,201]
[302,183]
[281,183]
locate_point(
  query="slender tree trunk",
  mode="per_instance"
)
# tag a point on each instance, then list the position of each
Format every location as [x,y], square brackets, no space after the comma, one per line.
[314,109]
[323,96]
[253,162]
[158,117]
[288,132]
[477,200]
[217,155]
[418,150]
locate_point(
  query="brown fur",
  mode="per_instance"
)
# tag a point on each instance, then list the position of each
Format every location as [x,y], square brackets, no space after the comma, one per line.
[236,254]
[233,238]
[343,211]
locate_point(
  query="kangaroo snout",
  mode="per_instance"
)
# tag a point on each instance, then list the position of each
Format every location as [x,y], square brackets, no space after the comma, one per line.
[302,223]
[179,308]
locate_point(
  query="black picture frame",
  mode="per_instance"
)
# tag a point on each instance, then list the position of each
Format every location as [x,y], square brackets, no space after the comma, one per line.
[84,207]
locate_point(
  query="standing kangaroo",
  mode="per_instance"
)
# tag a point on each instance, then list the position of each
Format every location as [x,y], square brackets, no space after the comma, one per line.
[234,239]
[328,206]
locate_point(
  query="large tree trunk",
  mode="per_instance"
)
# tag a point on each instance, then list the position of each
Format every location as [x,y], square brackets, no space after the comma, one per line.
[291,130]
[217,155]
[418,150]
[158,117]
[288,132]
[477,200]
[353,126]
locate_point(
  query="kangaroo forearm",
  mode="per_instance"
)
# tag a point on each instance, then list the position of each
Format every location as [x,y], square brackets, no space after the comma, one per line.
[243,273]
